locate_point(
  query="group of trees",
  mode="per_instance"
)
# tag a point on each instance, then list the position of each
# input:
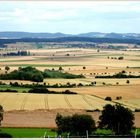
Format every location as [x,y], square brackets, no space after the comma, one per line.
[45,90]
[75,124]
[58,74]
[30,73]
[27,73]
[114,117]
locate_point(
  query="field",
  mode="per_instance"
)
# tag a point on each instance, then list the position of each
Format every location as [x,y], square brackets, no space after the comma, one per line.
[48,133]
[24,101]
[29,132]
[104,62]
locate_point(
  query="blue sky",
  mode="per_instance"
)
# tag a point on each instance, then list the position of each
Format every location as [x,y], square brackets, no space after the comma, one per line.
[70,17]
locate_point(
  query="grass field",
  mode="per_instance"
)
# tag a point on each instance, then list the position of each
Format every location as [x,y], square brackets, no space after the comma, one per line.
[48,133]
[28,132]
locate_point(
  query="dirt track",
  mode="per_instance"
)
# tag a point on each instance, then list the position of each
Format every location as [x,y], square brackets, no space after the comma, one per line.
[45,118]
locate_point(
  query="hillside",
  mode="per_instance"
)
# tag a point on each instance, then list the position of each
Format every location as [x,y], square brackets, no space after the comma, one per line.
[17,35]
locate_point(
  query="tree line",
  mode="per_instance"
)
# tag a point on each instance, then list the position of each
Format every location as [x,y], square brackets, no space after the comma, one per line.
[118,75]
[70,39]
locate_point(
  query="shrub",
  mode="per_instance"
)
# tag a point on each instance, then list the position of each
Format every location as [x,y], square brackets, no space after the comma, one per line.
[127,81]
[8,90]
[108,98]
[137,110]
[38,90]
[120,58]
[118,97]
[5,135]
[103,83]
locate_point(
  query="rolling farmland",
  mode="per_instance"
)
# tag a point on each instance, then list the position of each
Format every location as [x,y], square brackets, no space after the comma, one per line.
[89,98]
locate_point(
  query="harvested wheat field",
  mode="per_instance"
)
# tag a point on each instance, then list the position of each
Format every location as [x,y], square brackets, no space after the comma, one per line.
[46,118]
[28,101]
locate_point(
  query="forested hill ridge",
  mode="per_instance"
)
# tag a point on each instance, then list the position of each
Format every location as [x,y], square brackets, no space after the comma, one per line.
[17,35]
[70,39]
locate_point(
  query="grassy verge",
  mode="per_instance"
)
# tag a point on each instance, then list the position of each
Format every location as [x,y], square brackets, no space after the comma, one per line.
[28,132]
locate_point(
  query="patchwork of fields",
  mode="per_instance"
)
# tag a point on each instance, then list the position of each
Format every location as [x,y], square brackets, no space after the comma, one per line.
[93,97]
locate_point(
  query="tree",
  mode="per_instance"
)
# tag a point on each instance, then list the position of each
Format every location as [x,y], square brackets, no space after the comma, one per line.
[75,125]
[108,98]
[127,81]
[1,114]
[117,118]
[84,67]
[60,68]
[7,68]
[37,77]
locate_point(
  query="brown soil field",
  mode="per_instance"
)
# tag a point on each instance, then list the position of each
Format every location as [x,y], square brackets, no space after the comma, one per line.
[46,118]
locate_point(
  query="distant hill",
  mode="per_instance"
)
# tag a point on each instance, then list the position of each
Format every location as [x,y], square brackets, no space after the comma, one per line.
[18,35]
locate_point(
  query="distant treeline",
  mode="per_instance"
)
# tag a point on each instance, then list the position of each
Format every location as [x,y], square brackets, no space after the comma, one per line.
[18,53]
[70,39]
[118,75]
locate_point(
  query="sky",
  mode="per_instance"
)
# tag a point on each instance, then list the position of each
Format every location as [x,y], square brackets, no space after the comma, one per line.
[70,17]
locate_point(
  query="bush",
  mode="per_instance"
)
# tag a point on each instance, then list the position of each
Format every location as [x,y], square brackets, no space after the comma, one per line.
[38,90]
[127,81]
[108,98]
[118,97]
[5,135]
[120,58]
[137,110]
[69,92]
[8,90]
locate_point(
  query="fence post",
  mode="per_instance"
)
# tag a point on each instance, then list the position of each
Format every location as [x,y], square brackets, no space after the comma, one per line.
[87,133]
[135,133]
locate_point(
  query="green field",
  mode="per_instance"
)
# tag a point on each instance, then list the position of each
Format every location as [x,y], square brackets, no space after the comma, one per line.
[28,132]
[41,132]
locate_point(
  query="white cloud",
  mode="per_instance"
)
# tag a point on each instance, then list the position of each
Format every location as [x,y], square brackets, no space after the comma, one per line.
[67,14]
